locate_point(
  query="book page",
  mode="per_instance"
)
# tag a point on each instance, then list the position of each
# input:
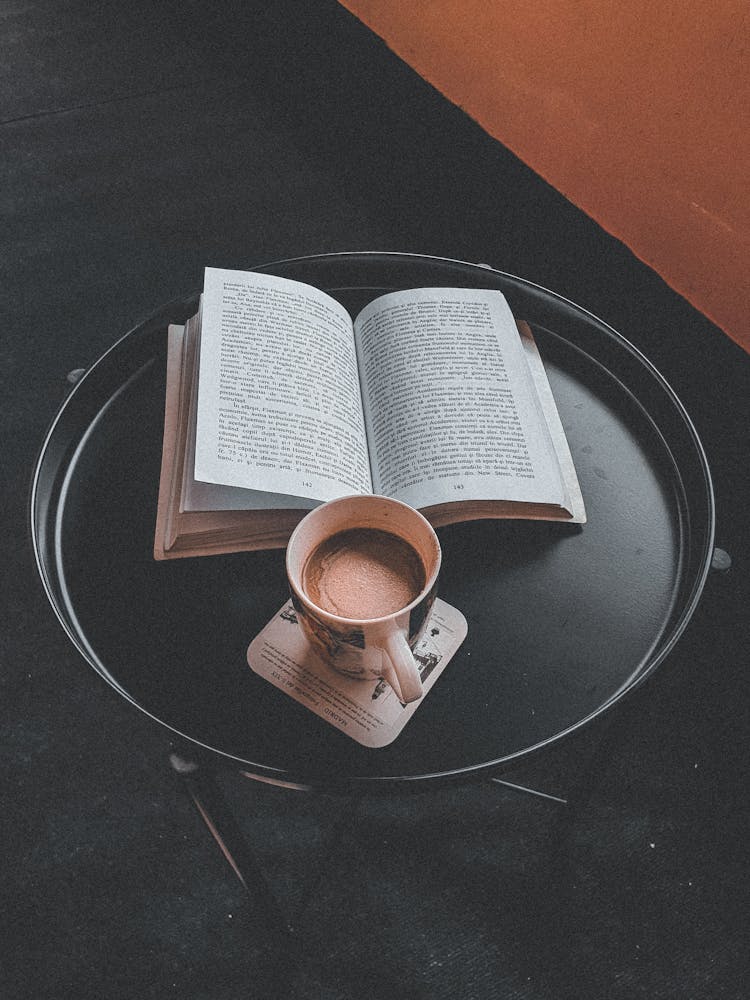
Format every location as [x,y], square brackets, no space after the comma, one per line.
[201,496]
[279,405]
[573,501]
[450,406]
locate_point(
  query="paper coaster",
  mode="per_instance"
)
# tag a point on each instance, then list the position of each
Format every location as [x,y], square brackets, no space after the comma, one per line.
[368,711]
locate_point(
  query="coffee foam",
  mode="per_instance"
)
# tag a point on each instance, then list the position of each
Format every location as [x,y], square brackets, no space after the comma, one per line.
[363,573]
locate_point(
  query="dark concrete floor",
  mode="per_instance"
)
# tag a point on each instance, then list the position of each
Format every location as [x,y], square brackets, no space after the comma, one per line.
[140,142]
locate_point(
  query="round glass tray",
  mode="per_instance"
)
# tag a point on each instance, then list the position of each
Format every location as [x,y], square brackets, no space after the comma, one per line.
[563,620]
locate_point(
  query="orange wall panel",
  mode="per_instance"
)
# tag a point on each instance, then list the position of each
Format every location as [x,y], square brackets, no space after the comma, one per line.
[637,112]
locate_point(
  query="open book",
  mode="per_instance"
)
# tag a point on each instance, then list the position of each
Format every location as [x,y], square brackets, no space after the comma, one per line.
[276,401]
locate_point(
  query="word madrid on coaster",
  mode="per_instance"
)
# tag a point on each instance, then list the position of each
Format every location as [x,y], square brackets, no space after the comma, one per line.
[368,711]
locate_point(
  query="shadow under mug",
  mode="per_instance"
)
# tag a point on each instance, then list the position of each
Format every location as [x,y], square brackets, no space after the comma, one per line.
[376,647]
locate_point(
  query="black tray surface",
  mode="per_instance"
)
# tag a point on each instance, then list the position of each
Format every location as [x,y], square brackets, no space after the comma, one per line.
[563,620]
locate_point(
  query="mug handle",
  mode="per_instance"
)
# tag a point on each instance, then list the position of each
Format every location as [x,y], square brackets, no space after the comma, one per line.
[403,673]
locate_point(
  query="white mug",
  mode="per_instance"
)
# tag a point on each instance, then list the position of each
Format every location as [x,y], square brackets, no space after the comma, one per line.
[374,647]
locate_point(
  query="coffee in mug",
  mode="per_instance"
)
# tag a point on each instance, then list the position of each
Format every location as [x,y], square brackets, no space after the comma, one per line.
[363,573]
[363,576]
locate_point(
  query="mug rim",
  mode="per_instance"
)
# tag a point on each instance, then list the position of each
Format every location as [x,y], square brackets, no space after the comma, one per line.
[424,593]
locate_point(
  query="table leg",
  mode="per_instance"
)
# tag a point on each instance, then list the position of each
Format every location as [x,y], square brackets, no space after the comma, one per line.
[529,791]
[200,783]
